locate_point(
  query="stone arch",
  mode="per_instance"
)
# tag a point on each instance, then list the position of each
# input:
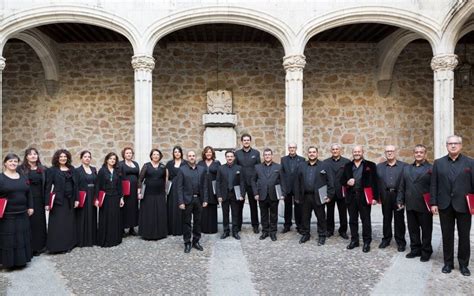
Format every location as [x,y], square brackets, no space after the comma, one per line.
[209,15]
[456,25]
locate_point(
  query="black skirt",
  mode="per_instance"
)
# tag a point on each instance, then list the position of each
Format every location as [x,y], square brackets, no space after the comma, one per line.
[209,219]
[86,221]
[175,220]
[153,217]
[38,226]
[62,227]
[15,237]
[110,229]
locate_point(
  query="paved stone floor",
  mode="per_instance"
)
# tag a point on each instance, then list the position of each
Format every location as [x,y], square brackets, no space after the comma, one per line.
[245,267]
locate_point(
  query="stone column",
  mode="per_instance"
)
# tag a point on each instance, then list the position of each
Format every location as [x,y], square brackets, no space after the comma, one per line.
[294,65]
[443,102]
[143,66]
[2,66]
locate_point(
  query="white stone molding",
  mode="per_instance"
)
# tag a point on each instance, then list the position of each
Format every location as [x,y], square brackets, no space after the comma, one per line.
[455,26]
[443,101]
[143,62]
[2,63]
[2,67]
[219,120]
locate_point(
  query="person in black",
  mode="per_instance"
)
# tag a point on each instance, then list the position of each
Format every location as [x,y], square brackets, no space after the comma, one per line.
[247,158]
[228,179]
[35,172]
[61,180]
[268,175]
[414,185]
[110,229]
[360,175]
[311,177]
[15,234]
[129,171]
[389,174]
[451,181]
[86,217]
[335,167]
[153,221]
[175,215]
[192,197]
[209,213]
[289,166]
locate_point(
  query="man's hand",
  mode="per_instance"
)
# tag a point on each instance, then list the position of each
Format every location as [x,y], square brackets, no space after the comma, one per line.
[434,210]
[257,197]
[219,199]
[76,204]
[30,212]
[374,202]
[204,204]
[182,206]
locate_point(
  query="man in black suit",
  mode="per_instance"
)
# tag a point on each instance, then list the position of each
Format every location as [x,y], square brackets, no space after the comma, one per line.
[360,175]
[289,166]
[192,194]
[335,167]
[414,185]
[247,158]
[451,181]
[227,181]
[267,177]
[311,177]
[389,174]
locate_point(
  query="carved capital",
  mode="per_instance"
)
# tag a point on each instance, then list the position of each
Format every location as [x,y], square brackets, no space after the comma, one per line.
[2,63]
[143,62]
[294,62]
[444,62]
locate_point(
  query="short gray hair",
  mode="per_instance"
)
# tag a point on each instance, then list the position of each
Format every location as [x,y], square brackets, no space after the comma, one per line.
[459,138]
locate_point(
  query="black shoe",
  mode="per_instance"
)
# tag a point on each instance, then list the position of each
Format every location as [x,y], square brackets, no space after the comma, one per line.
[132,231]
[401,248]
[464,271]
[198,246]
[299,231]
[225,235]
[285,230]
[321,241]
[446,268]
[187,247]
[255,229]
[304,239]
[352,245]
[236,235]
[425,258]
[344,236]
[263,236]
[329,234]
[384,244]
[366,248]
[273,237]
[412,255]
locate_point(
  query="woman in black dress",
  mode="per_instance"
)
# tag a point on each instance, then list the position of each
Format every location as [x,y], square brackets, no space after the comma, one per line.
[86,216]
[153,212]
[175,223]
[62,181]
[129,171]
[15,237]
[209,213]
[35,172]
[110,219]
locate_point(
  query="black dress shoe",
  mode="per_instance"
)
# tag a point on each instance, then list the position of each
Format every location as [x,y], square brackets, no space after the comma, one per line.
[366,248]
[273,237]
[304,239]
[413,255]
[352,245]
[225,235]
[255,229]
[263,236]
[329,234]
[425,258]
[401,248]
[236,236]
[464,271]
[321,241]
[132,231]
[187,247]
[446,268]
[198,246]
[344,236]
[384,244]
[285,230]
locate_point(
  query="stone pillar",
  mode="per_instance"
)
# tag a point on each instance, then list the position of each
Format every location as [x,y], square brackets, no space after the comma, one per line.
[294,65]
[143,66]
[2,66]
[443,102]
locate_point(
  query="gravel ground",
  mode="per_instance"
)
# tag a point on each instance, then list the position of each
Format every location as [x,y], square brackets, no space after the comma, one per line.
[3,283]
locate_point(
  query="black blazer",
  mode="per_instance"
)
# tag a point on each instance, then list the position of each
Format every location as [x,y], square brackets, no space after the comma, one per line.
[81,177]
[381,172]
[444,192]
[185,188]
[322,179]
[411,190]
[222,181]
[103,182]
[263,184]
[211,175]
[369,178]
[289,176]
[247,164]
[56,178]
[336,169]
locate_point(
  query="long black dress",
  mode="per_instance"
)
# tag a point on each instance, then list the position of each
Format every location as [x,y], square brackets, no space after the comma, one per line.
[62,235]
[130,207]
[37,180]
[209,213]
[153,210]
[86,217]
[175,222]
[15,237]
[110,219]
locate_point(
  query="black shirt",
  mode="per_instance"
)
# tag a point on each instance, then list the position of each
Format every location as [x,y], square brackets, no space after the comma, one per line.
[392,174]
[357,173]
[192,174]
[455,166]
[310,171]
[17,193]
[231,174]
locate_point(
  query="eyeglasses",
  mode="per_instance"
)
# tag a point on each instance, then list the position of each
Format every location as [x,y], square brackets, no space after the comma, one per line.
[389,151]
[454,143]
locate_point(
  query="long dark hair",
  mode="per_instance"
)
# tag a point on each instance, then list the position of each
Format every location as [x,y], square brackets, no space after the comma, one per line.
[25,165]
[55,160]
[108,156]
[177,147]
[205,150]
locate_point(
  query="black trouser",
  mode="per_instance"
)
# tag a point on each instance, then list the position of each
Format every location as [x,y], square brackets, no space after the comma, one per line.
[342,209]
[424,221]
[389,211]
[234,206]
[358,205]
[289,202]
[448,217]
[253,207]
[309,205]
[194,209]
[269,215]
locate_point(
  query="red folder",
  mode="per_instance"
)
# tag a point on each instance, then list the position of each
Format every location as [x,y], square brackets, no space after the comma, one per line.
[126,187]
[344,191]
[82,198]
[427,198]
[100,198]
[3,206]
[470,202]
[52,196]
[369,195]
